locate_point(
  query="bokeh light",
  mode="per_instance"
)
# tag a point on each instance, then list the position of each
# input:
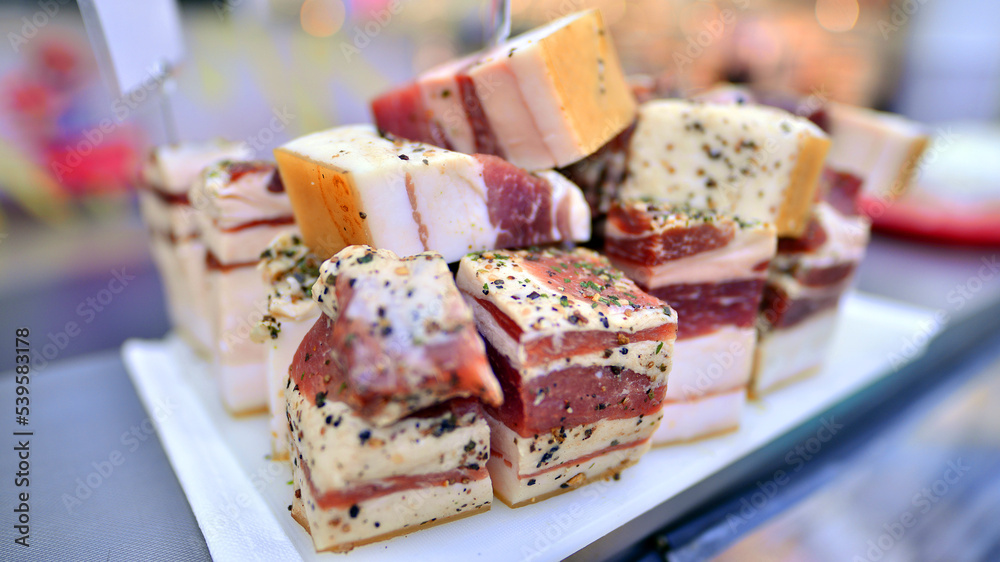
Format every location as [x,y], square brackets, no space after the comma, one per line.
[322,18]
[837,15]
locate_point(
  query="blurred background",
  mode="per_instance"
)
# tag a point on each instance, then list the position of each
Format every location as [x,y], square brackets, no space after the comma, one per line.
[266,71]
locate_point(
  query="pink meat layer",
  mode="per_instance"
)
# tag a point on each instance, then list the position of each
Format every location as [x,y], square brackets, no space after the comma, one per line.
[570,397]
[703,308]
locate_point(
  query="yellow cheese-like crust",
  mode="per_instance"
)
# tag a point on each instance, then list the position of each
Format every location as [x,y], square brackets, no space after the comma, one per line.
[325,203]
[902,182]
[582,53]
[793,217]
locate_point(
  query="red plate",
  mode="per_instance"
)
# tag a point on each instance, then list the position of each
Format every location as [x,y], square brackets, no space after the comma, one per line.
[931,218]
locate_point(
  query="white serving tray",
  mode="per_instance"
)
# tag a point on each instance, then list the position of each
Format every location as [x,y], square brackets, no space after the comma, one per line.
[241,498]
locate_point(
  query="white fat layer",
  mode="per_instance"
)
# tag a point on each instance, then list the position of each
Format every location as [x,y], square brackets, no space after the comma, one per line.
[238,302]
[280,352]
[449,192]
[173,168]
[531,69]
[241,246]
[396,512]
[732,262]
[530,455]
[684,421]
[529,60]
[796,290]
[443,100]
[509,114]
[350,451]
[508,484]
[227,204]
[190,255]
[179,220]
[545,316]
[243,386]
[785,353]
[872,145]
[712,363]
[165,258]
[566,195]
[677,155]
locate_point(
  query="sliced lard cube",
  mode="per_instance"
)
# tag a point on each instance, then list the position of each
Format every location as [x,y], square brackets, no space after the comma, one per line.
[351,186]
[396,336]
[883,149]
[356,482]
[289,271]
[541,100]
[711,268]
[806,280]
[386,435]
[177,250]
[242,208]
[582,355]
[755,162]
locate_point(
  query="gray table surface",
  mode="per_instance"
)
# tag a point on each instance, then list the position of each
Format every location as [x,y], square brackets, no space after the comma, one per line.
[84,409]
[101,487]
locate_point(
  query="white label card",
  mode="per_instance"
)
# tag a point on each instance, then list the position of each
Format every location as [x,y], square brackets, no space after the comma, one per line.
[136,42]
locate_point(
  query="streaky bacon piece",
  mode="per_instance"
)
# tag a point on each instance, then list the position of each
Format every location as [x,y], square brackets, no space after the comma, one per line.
[380,401]
[349,185]
[653,245]
[805,283]
[239,215]
[582,354]
[544,99]
[177,249]
[546,349]
[711,268]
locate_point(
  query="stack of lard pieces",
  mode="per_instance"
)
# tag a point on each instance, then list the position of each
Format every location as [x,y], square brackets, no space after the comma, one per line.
[243,207]
[711,268]
[289,271]
[805,282]
[873,155]
[544,99]
[583,357]
[177,248]
[707,188]
[386,433]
